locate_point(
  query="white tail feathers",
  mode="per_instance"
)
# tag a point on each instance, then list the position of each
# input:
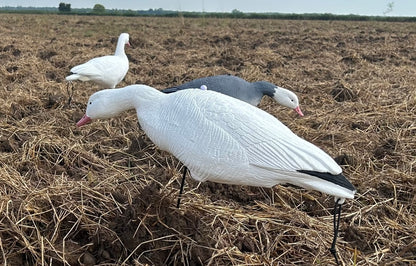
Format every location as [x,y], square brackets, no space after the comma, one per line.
[76,77]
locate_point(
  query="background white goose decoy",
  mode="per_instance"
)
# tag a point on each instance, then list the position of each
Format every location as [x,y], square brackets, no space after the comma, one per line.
[251,92]
[240,144]
[107,71]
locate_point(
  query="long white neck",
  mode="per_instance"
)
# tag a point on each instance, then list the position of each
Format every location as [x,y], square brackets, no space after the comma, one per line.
[120,47]
[138,96]
[151,108]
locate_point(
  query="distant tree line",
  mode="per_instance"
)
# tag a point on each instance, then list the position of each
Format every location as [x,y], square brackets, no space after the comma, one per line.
[63,7]
[99,9]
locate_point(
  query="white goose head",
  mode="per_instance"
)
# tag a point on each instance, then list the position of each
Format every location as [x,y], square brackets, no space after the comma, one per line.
[287,98]
[123,40]
[101,105]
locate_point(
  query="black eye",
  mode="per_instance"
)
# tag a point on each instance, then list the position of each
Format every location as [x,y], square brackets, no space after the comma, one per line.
[90,102]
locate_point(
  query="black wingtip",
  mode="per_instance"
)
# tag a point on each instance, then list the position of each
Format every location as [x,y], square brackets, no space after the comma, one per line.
[339,179]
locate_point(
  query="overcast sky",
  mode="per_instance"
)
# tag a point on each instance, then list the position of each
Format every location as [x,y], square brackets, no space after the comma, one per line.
[358,7]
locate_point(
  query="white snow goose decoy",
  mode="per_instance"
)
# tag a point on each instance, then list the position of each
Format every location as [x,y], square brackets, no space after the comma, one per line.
[240,144]
[107,71]
[251,92]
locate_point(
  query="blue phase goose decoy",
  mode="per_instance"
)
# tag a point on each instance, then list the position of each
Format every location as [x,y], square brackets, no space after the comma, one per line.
[250,92]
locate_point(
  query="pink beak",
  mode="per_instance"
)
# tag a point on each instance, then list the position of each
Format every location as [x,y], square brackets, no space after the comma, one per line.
[297,109]
[84,120]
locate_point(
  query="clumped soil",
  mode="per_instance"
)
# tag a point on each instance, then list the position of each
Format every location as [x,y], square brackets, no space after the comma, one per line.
[104,194]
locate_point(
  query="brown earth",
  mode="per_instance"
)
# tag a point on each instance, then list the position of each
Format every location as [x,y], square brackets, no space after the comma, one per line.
[104,194]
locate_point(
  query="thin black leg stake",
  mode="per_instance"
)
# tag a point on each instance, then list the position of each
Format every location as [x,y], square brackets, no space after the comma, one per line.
[182,184]
[70,92]
[337,210]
